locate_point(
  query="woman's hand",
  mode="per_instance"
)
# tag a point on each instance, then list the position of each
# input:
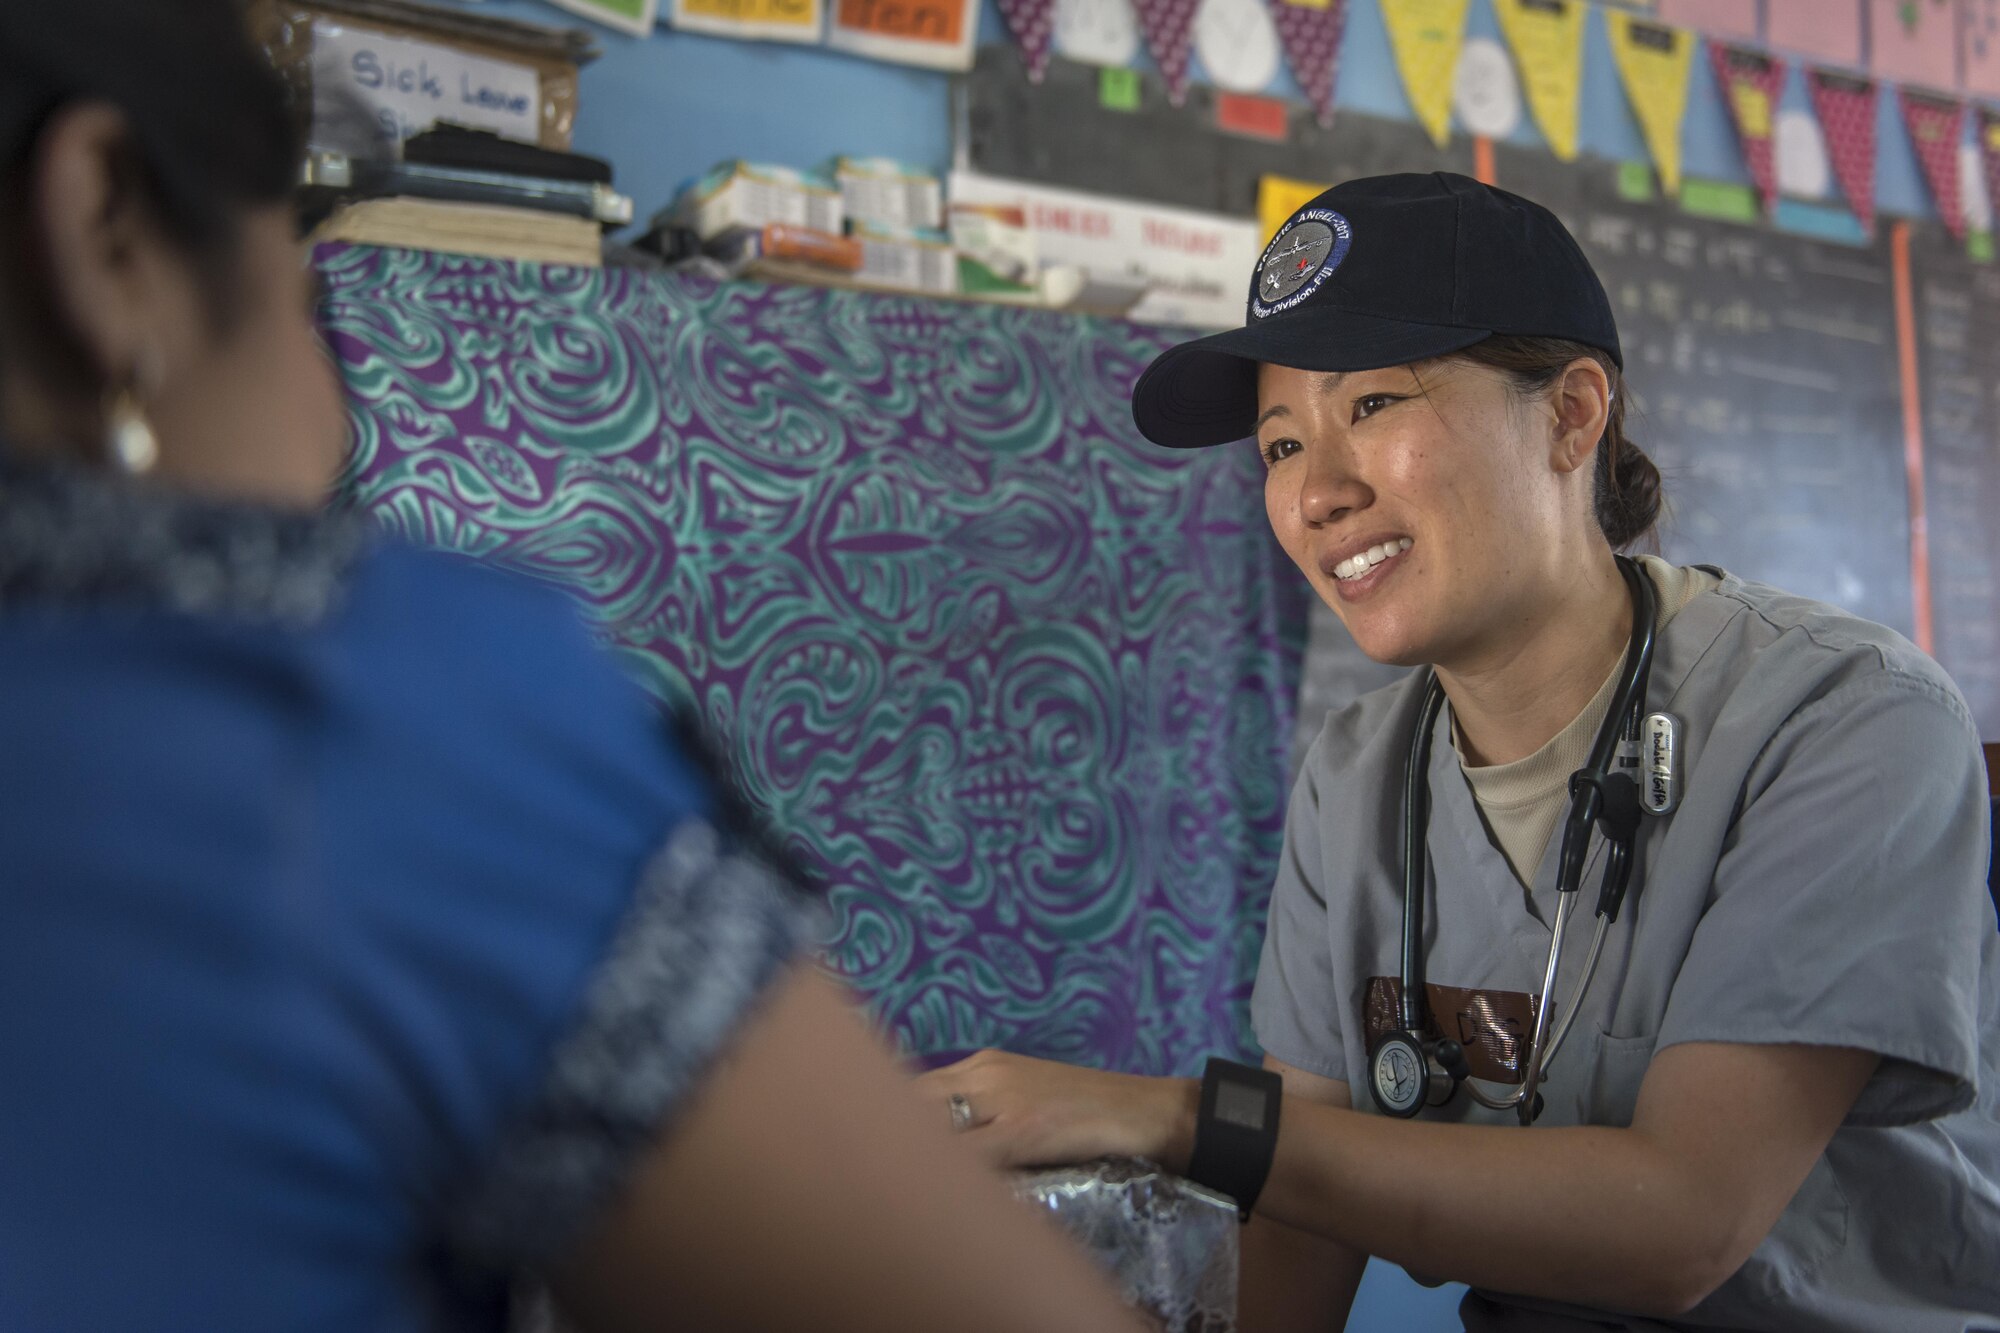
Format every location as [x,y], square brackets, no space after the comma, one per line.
[1028,1112]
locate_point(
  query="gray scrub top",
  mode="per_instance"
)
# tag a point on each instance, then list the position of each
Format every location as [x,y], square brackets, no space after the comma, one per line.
[1822,882]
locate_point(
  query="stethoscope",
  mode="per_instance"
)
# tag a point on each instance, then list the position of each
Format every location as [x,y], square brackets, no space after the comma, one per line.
[1407,1069]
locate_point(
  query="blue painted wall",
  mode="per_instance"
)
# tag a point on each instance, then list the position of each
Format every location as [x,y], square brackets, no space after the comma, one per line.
[668,107]
[665,108]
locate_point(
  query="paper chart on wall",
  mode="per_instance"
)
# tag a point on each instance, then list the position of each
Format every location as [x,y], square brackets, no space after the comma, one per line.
[757,20]
[1194,268]
[936,34]
[1824,30]
[1914,41]
[634,16]
[1713,18]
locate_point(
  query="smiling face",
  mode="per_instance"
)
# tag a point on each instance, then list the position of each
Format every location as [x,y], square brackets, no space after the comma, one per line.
[1438,512]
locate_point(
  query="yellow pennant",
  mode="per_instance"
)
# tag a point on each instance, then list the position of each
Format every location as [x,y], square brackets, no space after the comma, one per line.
[1547,37]
[1653,62]
[1426,36]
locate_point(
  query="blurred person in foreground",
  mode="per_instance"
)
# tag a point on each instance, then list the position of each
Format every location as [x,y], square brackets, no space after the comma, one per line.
[365,940]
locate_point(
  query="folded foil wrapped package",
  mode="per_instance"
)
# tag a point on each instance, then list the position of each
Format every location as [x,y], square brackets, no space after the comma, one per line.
[1169,1243]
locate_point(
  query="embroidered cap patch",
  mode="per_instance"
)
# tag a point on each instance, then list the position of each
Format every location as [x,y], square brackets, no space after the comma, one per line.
[1303,254]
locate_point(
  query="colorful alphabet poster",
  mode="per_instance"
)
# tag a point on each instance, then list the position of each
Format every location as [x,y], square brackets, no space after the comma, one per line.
[1547,37]
[936,34]
[757,20]
[1914,41]
[634,16]
[1823,30]
[1426,36]
[1846,107]
[1713,18]
[1979,46]
[1654,61]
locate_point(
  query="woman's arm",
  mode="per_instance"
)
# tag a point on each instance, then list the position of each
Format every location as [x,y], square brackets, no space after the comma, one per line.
[804,1188]
[1647,1219]
[1292,1280]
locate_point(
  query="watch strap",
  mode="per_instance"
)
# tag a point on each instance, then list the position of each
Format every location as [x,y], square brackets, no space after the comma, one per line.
[1236,1130]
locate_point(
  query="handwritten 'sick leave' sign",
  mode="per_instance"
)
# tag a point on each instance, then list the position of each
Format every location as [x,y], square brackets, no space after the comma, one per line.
[410,85]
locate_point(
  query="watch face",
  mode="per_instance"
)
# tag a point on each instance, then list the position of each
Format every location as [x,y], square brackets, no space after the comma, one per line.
[1239,1104]
[1398,1075]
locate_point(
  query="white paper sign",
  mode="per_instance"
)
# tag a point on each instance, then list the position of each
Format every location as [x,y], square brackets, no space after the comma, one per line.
[1196,266]
[409,85]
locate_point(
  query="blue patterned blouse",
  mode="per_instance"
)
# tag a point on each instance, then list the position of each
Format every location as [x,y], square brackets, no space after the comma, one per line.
[358,923]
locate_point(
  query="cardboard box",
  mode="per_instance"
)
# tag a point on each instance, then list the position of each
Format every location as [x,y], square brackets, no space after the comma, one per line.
[884,192]
[912,260]
[375,70]
[996,251]
[756,195]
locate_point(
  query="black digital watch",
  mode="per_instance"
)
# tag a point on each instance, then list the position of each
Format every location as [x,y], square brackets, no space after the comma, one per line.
[1236,1131]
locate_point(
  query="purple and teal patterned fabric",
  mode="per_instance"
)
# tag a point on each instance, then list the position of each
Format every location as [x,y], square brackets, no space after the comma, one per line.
[1018,685]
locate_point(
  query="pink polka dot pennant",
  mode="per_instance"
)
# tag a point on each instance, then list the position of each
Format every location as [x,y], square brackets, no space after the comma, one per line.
[1311,36]
[1750,83]
[1846,108]
[1031,22]
[1988,130]
[1934,124]
[1169,29]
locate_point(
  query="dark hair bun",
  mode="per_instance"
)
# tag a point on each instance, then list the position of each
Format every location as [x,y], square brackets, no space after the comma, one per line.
[1628,488]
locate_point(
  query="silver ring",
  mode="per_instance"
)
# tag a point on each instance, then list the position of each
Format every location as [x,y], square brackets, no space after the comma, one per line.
[961,1112]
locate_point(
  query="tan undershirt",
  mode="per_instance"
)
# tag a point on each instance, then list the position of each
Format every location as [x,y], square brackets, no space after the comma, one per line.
[1523,801]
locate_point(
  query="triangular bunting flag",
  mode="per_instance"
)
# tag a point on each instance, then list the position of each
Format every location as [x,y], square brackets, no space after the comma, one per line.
[1547,37]
[1169,29]
[1031,22]
[1311,36]
[1989,153]
[1934,124]
[1846,108]
[1426,36]
[1653,63]
[1750,82]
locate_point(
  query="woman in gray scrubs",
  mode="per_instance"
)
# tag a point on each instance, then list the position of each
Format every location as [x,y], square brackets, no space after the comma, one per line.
[1774,1107]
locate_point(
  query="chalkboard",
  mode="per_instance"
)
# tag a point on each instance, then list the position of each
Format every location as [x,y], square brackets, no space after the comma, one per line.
[1763,373]
[1762,366]
[1059,132]
[1957,305]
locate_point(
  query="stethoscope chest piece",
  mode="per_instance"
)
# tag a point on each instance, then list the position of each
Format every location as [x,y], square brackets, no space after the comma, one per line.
[1405,1073]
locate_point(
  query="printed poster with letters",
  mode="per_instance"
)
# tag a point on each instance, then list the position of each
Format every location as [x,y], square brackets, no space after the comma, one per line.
[756,20]
[936,34]
[1193,267]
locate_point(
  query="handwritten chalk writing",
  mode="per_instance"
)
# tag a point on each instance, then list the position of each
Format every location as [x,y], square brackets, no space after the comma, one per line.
[410,85]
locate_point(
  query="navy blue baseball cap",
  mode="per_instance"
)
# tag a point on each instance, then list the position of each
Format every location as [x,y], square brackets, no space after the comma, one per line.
[1378,272]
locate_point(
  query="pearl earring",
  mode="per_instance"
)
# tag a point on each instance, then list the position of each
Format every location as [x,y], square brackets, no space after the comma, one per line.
[128,437]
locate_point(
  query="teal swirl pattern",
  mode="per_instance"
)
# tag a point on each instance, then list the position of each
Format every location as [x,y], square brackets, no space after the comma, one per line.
[1016,684]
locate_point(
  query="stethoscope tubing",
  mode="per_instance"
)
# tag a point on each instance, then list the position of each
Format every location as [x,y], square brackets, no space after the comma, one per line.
[1621,725]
